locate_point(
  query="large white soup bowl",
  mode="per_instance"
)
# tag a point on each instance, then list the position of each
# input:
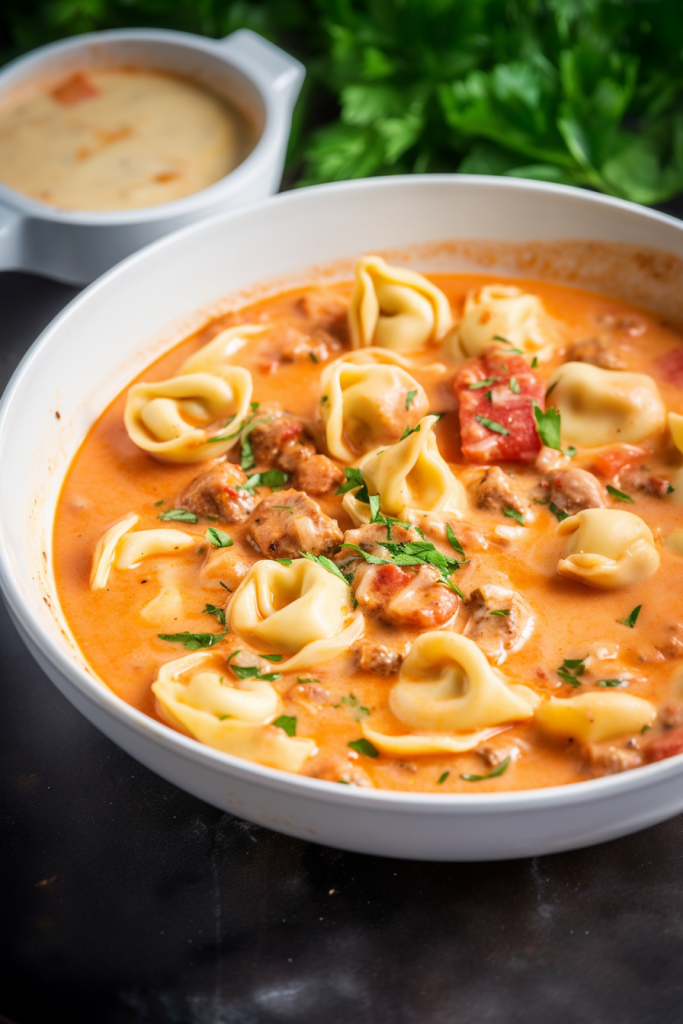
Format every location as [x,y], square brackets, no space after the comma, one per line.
[138,309]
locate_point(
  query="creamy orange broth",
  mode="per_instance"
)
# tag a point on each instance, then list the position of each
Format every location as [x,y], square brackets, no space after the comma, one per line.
[110,477]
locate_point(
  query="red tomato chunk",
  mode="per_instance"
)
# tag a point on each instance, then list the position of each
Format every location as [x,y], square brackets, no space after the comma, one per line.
[506,402]
[670,367]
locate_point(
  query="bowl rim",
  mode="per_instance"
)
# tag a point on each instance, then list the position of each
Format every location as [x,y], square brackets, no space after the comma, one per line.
[264,150]
[37,637]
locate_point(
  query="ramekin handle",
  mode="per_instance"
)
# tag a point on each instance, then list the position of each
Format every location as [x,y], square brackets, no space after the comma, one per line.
[11,242]
[279,71]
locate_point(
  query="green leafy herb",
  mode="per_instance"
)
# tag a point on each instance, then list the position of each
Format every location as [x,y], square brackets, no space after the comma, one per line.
[272,657]
[548,425]
[408,431]
[158,504]
[611,682]
[416,552]
[354,480]
[287,508]
[221,718]
[224,586]
[567,677]
[491,775]
[454,542]
[534,362]
[499,337]
[551,389]
[358,710]
[313,357]
[273,478]
[488,396]
[500,611]
[619,495]
[575,665]
[374,501]
[326,564]
[286,722]
[212,609]
[512,513]
[193,641]
[284,561]
[631,619]
[410,398]
[514,385]
[252,671]
[483,383]
[218,538]
[247,459]
[226,437]
[557,512]
[442,778]
[645,728]
[178,515]
[542,501]
[364,747]
[307,679]
[324,400]
[497,428]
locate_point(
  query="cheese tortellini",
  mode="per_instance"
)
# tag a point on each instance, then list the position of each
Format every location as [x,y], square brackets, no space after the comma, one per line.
[365,405]
[502,311]
[300,609]
[607,548]
[121,549]
[214,357]
[593,717]
[410,475]
[413,745]
[395,308]
[446,683]
[175,419]
[675,421]
[602,407]
[198,695]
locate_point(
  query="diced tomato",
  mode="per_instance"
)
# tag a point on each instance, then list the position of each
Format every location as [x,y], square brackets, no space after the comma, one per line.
[668,745]
[389,579]
[670,367]
[509,408]
[75,89]
[611,461]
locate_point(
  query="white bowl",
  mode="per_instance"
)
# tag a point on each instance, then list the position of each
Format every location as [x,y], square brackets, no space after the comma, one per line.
[78,245]
[107,334]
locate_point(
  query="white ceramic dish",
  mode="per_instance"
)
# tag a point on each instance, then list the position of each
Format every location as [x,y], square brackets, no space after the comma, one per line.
[77,246]
[116,327]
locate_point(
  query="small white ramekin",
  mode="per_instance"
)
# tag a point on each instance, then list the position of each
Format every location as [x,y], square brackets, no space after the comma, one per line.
[77,246]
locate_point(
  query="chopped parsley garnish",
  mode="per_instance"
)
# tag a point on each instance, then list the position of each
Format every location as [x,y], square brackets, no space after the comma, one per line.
[552,388]
[213,609]
[542,501]
[567,677]
[178,515]
[252,671]
[442,778]
[273,478]
[631,619]
[645,728]
[313,357]
[619,495]
[307,679]
[218,538]
[611,682]
[575,665]
[557,512]
[410,397]
[454,542]
[512,513]
[284,561]
[534,362]
[499,337]
[513,350]
[358,711]
[491,775]
[326,563]
[224,586]
[500,611]
[483,383]
[354,479]
[158,504]
[254,406]
[287,722]
[364,747]
[247,459]
[226,437]
[415,552]
[287,508]
[548,425]
[374,501]
[272,657]
[193,641]
[497,428]
[387,521]
[408,431]
[514,385]
[324,400]
[487,396]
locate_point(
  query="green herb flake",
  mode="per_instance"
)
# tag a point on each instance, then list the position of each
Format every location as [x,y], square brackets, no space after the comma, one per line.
[247,459]
[358,710]
[287,508]
[454,542]
[252,671]
[226,437]
[313,357]
[611,682]
[548,425]
[221,718]
[284,561]
[416,552]
[324,400]
[326,563]
[619,495]
[488,397]
[514,385]
[193,641]
[365,747]
[557,512]
[224,586]
[567,677]
[408,431]
[512,513]
[631,619]
[218,538]
[272,657]
[178,515]
[551,389]
[645,728]
[273,478]
[286,722]
[491,775]
[410,397]
[499,337]
[575,665]
[497,428]
[483,383]
[158,504]
[213,609]
[534,363]
[374,501]
[307,679]
[500,611]
[442,778]
[354,480]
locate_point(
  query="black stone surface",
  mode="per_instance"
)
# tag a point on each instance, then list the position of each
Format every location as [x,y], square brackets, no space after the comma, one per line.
[124,900]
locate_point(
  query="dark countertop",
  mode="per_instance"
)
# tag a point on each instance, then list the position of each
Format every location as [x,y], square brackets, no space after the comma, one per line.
[123,899]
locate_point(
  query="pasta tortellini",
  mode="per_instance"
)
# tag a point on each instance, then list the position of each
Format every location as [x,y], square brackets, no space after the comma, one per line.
[175,419]
[446,683]
[414,746]
[365,405]
[214,357]
[121,549]
[593,717]
[300,609]
[607,548]
[601,407]
[197,695]
[502,311]
[675,421]
[410,475]
[395,308]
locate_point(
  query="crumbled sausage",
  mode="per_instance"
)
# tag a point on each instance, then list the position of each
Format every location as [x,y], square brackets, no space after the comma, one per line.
[611,760]
[282,441]
[288,522]
[498,634]
[380,659]
[338,769]
[671,716]
[497,491]
[639,478]
[672,646]
[318,475]
[291,345]
[550,460]
[600,352]
[494,756]
[228,566]
[403,597]
[328,311]
[577,489]
[215,493]
[668,745]
[311,695]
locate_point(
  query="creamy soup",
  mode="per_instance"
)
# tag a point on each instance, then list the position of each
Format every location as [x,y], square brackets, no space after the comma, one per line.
[410,532]
[118,139]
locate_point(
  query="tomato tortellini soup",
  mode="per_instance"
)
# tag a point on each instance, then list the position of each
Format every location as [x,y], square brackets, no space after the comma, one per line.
[413,531]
